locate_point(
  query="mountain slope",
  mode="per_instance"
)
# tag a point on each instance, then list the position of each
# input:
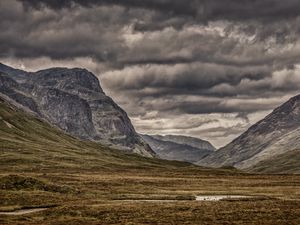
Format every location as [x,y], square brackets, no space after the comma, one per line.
[276,134]
[28,143]
[185,140]
[73,100]
[288,162]
[83,182]
[181,148]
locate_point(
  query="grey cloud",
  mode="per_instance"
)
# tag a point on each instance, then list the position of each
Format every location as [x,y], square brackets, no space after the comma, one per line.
[196,78]
[98,32]
[207,80]
[189,124]
[166,58]
[203,9]
[62,35]
[211,105]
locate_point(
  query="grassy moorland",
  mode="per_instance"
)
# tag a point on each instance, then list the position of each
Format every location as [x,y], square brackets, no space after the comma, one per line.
[85,183]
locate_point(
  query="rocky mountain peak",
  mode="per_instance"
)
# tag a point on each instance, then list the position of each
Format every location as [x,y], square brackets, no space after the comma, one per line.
[73,100]
[19,75]
[292,106]
[67,79]
[283,117]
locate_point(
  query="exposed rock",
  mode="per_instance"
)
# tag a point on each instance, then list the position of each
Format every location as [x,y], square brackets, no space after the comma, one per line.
[73,100]
[277,133]
[181,148]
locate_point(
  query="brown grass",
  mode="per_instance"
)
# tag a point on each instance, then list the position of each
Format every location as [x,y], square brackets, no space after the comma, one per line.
[90,184]
[117,198]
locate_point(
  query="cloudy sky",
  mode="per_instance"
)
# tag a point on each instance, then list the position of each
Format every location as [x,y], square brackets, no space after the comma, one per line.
[205,68]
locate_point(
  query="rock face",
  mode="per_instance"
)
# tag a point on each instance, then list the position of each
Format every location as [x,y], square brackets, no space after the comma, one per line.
[181,148]
[276,134]
[73,100]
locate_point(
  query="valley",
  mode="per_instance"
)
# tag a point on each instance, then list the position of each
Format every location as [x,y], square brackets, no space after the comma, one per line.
[154,112]
[83,182]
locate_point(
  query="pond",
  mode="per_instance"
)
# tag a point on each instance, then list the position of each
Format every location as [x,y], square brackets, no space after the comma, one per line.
[219,197]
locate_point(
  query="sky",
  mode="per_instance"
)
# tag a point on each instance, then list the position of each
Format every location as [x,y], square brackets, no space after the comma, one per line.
[203,68]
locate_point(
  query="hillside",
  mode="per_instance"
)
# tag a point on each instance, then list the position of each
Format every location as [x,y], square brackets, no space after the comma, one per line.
[28,143]
[267,140]
[286,163]
[81,182]
[181,148]
[73,100]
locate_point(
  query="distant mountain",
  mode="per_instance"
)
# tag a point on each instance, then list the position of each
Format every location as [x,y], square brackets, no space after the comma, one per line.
[186,140]
[73,100]
[181,148]
[267,141]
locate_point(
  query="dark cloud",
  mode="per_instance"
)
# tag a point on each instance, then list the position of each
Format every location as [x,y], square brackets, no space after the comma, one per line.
[202,79]
[191,78]
[216,106]
[174,105]
[203,9]
[165,6]
[206,68]
[62,35]
[99,33]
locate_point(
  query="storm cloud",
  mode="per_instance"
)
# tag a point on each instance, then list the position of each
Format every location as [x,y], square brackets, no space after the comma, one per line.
[204,9]
[205,68]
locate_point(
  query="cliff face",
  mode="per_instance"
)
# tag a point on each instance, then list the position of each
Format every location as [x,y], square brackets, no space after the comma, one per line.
[275,135]
[73,100]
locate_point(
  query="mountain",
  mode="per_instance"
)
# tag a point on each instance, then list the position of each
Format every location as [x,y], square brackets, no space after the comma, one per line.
[30,144]
[73,100]
[287,163]
[180,148]
[186,140]
[269,141]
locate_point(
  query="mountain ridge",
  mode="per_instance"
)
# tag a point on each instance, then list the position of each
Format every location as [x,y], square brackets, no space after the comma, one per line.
[181,148]
[187,140]
[276,134]
[73,100]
